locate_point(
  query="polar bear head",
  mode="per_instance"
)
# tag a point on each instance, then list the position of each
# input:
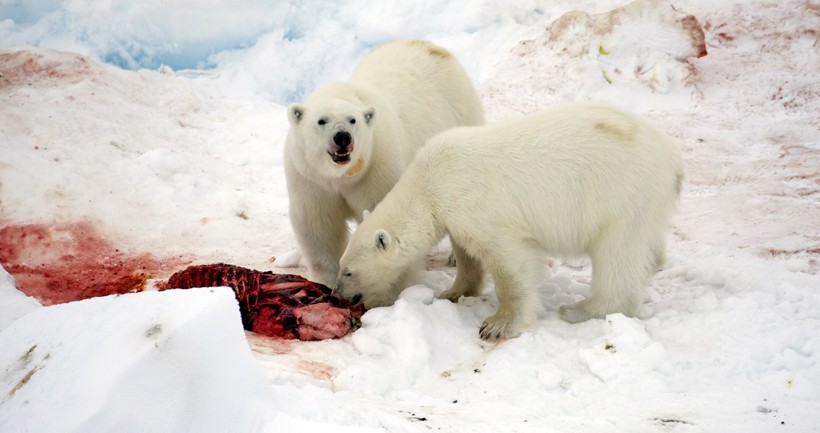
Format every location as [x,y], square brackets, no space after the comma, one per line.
[334,135]
[385,250]
[371,268]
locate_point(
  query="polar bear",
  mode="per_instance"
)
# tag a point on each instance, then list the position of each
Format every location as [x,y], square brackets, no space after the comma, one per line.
[350,141]
[577,179]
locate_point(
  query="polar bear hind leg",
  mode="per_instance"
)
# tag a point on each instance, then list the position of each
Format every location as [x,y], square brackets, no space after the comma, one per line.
[623,261]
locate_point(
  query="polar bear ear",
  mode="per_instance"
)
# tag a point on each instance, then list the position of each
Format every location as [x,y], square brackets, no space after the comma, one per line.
[365,214]
[295,113]
[382,240]
[368,114]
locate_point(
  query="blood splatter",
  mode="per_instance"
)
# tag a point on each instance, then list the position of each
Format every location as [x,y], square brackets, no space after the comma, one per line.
[319,370]
[696,35]
[26,66]
[58,263]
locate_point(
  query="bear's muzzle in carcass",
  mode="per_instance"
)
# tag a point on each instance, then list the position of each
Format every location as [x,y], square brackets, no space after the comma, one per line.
[345,295]
[342,147]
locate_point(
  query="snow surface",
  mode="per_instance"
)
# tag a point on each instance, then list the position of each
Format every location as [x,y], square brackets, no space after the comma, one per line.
[188,163]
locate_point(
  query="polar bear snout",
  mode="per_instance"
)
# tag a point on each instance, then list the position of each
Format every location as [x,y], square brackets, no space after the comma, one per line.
[339,292]
[343,145]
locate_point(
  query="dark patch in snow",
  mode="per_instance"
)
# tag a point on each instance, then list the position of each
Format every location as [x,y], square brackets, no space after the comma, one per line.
[670,422]
[153,331]
[23,364]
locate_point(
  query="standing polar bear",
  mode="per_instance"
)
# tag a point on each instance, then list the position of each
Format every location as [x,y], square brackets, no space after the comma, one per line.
[350,141]
[580,178]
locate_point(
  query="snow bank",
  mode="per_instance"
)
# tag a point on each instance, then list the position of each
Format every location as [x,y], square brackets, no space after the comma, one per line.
[317,41]
[251,47]
[13,303]
[399,346]
[180,33]
[136,351]
[614,56]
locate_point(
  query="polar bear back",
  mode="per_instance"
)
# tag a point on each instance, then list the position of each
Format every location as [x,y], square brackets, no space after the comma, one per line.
[428,86]
[561,176]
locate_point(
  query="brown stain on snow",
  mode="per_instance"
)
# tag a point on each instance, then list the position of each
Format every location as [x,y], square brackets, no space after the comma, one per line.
[22,364]
[695,32]
[22,383]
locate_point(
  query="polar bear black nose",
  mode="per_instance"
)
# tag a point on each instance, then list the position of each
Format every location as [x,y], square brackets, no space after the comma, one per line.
[342,139]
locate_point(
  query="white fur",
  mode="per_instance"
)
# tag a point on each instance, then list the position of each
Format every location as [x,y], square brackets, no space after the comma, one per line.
[577,179]
[400,94]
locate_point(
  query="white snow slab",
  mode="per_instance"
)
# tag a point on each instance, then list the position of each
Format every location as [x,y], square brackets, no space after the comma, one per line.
[13,303]
[155,361]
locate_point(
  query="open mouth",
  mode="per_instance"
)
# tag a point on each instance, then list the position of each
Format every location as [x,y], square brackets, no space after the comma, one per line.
[340,158]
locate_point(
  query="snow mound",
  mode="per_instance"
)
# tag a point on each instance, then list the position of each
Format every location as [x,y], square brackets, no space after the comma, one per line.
[139,348]
[279,51]
[626,354]
[646,43]
[406,343]
[137,35]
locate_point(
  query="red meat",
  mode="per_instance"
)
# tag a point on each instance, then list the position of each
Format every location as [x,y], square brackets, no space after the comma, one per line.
[277,305]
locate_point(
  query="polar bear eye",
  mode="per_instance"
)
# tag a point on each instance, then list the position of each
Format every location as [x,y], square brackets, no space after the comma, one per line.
[322,121]
[352,120]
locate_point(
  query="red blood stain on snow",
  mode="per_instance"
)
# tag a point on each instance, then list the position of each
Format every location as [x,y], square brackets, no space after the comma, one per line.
[26,66]
[268,346]
[60,263]
[319,370]
[696,35]
[264,346]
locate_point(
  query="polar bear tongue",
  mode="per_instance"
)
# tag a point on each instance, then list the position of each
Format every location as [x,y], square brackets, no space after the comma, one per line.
[356,168]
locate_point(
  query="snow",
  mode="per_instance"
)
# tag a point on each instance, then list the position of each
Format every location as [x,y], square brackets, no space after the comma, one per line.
[15,304]
[242,42]
[91,383]
[182,163]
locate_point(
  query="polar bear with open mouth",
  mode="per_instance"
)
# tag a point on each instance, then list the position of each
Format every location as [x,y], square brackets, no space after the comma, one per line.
[350,141]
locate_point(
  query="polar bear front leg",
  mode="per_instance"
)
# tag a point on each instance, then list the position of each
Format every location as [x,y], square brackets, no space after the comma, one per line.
[469,275]
[517,266]
[320,225]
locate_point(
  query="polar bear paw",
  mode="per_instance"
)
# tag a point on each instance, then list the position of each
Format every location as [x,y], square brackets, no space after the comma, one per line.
[500,326]
[575,313]
[452,294]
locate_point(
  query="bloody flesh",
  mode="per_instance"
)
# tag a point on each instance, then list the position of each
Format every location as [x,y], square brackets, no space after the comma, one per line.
[277,305]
